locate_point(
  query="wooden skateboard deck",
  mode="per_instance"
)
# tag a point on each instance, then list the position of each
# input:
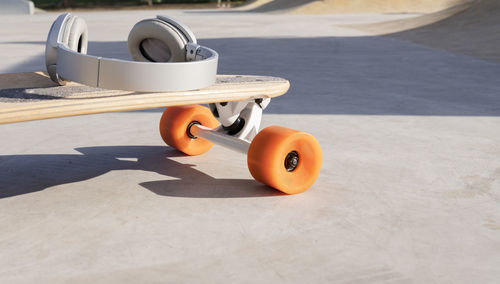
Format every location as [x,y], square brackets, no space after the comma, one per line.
[33,96]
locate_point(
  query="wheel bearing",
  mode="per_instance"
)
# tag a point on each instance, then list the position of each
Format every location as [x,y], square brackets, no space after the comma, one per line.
[291,161]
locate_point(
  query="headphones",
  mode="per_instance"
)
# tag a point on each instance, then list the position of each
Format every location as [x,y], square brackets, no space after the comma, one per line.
[167,57]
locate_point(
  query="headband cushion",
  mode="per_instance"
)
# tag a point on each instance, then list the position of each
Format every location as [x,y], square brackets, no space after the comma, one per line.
[76,34]
[156,41]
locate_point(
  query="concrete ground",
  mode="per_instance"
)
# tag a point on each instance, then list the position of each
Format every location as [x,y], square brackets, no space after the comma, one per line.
[408,193]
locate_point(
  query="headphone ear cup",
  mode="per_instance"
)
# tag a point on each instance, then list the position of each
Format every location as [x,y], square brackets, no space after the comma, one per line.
[76,34]
[156,41]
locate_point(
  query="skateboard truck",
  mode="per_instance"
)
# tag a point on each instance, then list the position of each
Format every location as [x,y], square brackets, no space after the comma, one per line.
[240,119]
[240,122]
[219,137]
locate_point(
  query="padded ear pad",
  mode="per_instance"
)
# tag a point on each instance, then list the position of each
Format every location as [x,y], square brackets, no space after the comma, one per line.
[75,34]
[156,41]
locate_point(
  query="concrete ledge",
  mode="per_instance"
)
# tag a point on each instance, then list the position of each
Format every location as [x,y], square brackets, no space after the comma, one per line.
[9,7]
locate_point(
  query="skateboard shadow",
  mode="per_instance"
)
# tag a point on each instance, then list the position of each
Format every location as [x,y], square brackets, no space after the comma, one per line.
[22,174]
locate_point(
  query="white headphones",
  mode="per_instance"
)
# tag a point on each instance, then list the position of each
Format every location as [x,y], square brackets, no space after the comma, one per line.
[166,56]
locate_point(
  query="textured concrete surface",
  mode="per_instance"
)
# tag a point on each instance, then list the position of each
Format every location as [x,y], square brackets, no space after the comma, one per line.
[409,191]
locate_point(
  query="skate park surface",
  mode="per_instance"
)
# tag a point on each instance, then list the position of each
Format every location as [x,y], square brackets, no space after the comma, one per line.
[408,121]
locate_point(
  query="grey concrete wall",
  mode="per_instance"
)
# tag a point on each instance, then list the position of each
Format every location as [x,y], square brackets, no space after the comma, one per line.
[9,7]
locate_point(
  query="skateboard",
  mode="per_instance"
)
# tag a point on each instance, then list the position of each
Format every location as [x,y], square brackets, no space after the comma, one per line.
[282,158]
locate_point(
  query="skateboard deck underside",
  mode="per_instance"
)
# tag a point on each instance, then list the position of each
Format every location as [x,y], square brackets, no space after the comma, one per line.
[33,96]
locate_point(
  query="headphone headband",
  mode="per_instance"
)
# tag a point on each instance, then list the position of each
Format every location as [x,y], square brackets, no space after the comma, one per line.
[180,26]
[64,63]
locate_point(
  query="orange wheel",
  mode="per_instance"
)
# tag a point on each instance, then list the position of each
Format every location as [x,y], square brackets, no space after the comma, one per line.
[285,159]
[174,125]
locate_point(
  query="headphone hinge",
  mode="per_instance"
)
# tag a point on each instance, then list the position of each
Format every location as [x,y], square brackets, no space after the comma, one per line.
[193,52]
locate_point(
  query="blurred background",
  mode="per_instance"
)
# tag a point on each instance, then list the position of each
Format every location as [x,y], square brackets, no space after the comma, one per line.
[61,4]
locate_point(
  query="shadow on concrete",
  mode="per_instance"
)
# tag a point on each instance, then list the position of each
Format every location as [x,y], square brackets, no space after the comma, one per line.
[472,32]
[21,174]
[355,75]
